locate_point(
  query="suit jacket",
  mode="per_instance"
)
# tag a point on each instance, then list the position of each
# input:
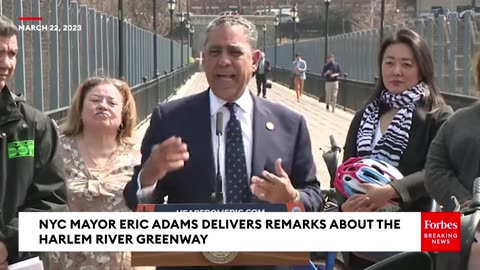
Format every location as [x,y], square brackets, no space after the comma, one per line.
[302,65]
[411,188]
[267,68]
[189,118]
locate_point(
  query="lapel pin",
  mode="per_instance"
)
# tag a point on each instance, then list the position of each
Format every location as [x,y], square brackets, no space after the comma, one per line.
[270,126]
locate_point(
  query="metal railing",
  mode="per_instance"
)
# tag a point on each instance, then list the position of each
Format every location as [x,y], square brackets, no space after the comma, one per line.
[453,42]
[353,94]
[149,94]
[70,43]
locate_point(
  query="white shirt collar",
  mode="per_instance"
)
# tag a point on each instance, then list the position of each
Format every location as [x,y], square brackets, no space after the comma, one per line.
[245,102]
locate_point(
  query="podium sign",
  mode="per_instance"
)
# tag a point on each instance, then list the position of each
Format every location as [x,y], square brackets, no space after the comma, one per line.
[220,258]
[234,207]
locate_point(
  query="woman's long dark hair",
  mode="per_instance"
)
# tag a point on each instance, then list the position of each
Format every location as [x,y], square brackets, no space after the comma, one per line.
[423,59]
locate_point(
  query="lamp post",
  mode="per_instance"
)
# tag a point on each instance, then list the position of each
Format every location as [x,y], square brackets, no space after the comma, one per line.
[155,70]
[187,25]
[192,30]
[293,13]
[181,19]
[171,8]
[327,4]
[264,28]
[275,23]
[120,39]
[395,15]
[382,19]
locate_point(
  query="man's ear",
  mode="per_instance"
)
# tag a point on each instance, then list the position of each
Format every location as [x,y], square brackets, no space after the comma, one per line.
[256,57]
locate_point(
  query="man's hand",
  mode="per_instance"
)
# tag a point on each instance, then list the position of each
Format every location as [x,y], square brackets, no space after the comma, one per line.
[168,156]
[274,188]
[3,256]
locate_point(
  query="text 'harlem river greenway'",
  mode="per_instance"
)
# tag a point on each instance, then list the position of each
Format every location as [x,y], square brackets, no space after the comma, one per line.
[80,231]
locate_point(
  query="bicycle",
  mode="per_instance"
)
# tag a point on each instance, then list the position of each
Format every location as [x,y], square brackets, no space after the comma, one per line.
[470,222]
[329,260]
[331,157]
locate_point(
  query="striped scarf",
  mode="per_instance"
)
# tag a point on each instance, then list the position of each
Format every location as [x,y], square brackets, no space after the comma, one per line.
[392,144]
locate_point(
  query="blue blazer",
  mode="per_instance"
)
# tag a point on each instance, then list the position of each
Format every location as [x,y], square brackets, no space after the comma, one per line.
[189,118]
[303,68]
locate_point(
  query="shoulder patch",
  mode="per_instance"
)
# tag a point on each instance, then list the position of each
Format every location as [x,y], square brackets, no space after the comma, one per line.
[19,149]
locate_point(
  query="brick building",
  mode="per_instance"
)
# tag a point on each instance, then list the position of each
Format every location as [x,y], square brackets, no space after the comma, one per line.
[457,5]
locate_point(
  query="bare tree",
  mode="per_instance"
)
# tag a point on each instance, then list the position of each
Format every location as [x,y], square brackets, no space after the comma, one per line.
[365,14]
[139,13]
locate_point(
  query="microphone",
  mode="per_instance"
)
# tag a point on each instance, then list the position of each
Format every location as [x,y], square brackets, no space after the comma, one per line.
[219,123]
[217,195]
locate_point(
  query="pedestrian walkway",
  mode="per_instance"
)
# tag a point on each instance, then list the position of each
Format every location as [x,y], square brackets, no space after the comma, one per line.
[321,123]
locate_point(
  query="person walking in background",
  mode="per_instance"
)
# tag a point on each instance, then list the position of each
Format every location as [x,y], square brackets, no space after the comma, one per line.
[299,75]
[331,72]
[261,75]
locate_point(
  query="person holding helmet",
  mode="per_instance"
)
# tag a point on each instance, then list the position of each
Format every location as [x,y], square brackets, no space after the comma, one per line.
[354,173]
[396,126]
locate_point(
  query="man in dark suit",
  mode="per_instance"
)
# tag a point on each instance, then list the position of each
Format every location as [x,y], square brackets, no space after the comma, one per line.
[263,67]
[268,144]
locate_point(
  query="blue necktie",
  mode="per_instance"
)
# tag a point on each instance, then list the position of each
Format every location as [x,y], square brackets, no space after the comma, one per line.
[235,165]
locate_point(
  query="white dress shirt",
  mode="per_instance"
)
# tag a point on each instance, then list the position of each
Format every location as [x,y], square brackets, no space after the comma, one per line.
[377,136]
[244,113]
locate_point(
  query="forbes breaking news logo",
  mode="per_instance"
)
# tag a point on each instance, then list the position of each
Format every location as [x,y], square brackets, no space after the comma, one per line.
[441,231]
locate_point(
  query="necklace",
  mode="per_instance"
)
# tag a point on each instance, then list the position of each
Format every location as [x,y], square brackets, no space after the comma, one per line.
[95,163]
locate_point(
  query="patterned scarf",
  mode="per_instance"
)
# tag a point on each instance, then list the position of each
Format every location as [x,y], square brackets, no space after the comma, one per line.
[392,144]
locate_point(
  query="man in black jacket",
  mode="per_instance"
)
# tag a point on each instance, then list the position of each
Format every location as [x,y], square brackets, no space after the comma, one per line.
[261,75]
[331,72]
[31,167]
